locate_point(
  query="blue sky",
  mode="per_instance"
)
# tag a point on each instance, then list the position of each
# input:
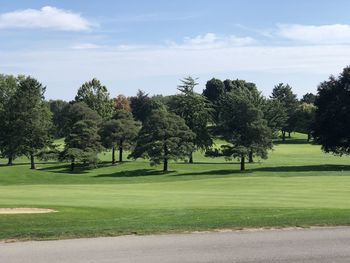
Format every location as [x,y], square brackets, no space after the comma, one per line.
[150,45]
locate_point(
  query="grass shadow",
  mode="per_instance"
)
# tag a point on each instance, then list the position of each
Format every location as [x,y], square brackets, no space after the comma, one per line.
[291,141]
[135,173]
[305,168]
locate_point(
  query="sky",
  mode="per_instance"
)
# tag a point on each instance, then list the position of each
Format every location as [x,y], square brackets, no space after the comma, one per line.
[151,45]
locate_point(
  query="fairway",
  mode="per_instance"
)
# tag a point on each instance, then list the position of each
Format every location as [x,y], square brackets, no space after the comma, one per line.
[297,186]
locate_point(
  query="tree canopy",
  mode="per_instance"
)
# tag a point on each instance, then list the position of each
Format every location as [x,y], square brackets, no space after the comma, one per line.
[164,137]
[332,122]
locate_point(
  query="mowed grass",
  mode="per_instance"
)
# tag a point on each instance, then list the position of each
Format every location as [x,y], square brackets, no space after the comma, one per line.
[297,186]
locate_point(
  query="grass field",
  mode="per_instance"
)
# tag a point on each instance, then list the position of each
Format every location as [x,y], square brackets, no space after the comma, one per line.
[297,186]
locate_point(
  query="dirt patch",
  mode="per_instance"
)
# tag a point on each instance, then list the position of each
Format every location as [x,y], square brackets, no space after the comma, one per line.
[13,211]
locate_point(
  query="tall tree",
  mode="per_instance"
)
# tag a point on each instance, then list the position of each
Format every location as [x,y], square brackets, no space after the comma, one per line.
[332,122]
[284,94]
[57,109]
[96,96]
[242,125]
[305,118]
[141,106]
[308,98]
[214,89]
[32,117]
[121,103]
[82,142]
[10,145]
[121,132]
[164,137]
[196,110]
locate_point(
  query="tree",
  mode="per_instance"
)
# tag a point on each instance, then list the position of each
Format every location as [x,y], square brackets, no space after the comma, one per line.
[275,115]
[284,94]
[141,106]
[82,142]
[163,137]
[121,132]
[308,98]
[121,103]
[332,122]
[57,109]
[32,118]
[214,89]
[10,145]
[242,125]
[305,116]
[196,110]
[96,96]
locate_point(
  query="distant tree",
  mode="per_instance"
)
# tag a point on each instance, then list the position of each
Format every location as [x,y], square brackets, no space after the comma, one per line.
[305,117]
[284,94]
[82,142]
[196,110]
[275,115]
[308,98]
[10,146]
[141,106]
[32,118]
[332,122]
[121,103]
[96,96]
[164,137]
[121,132]
[57,110]
[213,90]
[243,126]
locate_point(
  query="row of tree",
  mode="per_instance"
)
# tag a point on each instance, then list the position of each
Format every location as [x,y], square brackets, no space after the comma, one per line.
[164,128]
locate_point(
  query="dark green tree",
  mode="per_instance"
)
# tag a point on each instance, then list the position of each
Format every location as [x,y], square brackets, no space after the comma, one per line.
[284,94]
[141,106]
[82,141]
[10,146]
[305,118]
[96,96]
[275,115]
[164,137]
[243,126]
[57,109]
[196,110]
[214,89]
[121,132]
[308,98]
[32,118]
[332,122]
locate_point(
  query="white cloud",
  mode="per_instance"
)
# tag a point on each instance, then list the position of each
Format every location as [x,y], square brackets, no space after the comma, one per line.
[211,40]
[324,34]
[46,17]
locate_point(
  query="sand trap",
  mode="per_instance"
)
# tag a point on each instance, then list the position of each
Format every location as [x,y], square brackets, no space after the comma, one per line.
[12,211]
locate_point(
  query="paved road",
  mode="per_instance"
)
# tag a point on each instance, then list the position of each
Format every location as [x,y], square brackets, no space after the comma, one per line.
[306,245]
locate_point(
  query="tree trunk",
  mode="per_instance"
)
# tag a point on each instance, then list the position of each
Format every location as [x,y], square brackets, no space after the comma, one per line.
[251,157]
[72,165]
[283,136]
[32,162]
[191,158]
[289,135]
[308,137]
[10,161]
[113,155]
[165,165]
[121,151]
[242,163]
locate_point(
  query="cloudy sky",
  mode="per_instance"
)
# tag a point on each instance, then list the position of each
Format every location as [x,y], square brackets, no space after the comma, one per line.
[150,45]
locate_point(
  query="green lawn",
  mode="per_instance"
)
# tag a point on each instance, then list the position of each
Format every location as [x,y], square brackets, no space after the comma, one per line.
[297,186]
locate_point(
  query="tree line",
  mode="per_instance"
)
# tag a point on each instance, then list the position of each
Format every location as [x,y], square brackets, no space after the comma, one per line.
[164,128]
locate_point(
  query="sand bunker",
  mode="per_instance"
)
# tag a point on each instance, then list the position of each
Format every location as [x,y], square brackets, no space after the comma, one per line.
[12,211]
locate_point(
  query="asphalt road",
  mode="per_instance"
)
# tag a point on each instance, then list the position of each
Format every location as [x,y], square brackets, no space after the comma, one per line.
[297,245]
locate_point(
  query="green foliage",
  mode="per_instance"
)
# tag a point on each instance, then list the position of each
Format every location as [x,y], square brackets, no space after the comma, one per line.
[332,122]
[121,132]
[96,96]
[141,106]
[284,94]
[305,118]
[197,112]
[275,115]
[82,142]
[243,126]
[57,109]
[163,137]
[308,98]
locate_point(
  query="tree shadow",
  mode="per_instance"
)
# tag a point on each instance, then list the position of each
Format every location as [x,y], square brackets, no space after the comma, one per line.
[306,168]
[292,141]
[216,172]
[135,173]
